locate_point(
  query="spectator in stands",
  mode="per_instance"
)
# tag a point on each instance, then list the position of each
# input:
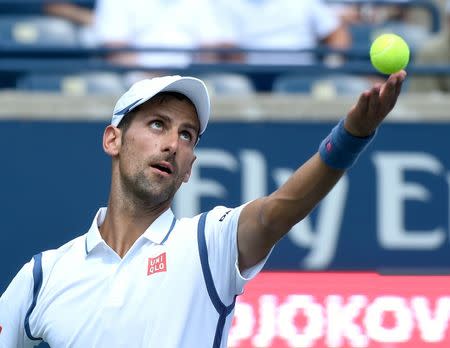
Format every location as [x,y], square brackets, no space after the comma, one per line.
[73,12]
[369,19]
[435,51]
[82,16]
[410,22]
[348,13]
[174,24]
[285,25]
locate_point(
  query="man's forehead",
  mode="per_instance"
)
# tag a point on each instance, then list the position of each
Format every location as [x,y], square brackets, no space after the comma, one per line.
[178,101]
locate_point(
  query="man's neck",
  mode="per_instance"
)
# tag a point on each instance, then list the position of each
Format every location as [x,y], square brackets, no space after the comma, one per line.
[123,225]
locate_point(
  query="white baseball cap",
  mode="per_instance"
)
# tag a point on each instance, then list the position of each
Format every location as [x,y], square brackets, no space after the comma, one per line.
[143,90]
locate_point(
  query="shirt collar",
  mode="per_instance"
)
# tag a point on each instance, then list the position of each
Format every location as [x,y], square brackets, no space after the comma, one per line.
[157,232]
[93,237]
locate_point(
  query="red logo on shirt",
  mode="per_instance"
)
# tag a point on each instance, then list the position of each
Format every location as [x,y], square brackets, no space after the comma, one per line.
[157,264]
[1,328]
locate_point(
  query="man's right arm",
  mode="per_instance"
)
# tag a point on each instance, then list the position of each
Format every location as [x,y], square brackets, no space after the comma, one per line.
[14,304]
[266,220]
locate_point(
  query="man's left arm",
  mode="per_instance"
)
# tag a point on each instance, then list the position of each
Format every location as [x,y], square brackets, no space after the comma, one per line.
[264,221]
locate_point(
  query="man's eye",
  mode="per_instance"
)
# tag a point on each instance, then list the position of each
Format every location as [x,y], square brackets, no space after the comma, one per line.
[156,124]
[186,136]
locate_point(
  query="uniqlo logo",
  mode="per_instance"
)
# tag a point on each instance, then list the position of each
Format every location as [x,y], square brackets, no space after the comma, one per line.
[157,264]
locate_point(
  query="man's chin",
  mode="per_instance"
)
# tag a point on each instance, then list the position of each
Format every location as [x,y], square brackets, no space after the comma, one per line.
[160,196]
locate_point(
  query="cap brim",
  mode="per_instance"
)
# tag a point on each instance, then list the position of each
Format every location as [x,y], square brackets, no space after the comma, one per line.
[191,87]
[197,92]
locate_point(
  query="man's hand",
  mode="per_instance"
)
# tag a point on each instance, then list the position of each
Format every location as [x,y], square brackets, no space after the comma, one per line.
[374,105]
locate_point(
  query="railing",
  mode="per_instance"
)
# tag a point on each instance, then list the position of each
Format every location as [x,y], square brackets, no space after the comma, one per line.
[43,59]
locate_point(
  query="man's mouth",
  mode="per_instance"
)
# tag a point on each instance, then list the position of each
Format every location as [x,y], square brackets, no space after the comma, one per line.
[163,167]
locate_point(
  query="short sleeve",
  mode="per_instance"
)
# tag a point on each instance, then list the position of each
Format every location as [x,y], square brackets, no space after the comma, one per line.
[112,22]
[215,27]
[324,20]
[221,239]
[14,304]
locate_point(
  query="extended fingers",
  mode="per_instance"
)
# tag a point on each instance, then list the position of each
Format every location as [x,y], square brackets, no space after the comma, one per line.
[363,103]
[367,101]
[374,104]
[401,77]
[374,100]
[392,87]
[389,88]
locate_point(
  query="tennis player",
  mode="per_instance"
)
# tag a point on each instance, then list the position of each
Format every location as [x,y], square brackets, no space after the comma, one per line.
[140,277]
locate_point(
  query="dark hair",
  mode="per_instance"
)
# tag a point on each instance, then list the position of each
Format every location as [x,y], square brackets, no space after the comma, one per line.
[160,98]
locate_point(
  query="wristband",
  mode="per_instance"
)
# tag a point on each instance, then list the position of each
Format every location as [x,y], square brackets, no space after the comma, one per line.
[340,149]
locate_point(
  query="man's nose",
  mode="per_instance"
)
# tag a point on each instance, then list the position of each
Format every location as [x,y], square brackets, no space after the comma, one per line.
[170,142]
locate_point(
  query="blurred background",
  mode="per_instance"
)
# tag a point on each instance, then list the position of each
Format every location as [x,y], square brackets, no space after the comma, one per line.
[368,268]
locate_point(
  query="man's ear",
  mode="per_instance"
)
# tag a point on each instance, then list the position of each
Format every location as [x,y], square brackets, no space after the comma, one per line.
[112,140]
[188,173]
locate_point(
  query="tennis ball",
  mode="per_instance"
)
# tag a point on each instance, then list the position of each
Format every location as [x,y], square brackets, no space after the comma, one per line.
[389,53]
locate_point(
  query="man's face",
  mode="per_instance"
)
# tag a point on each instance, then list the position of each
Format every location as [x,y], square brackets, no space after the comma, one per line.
[157,149]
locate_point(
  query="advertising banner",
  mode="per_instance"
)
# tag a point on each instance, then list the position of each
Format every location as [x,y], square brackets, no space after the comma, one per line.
[346,310]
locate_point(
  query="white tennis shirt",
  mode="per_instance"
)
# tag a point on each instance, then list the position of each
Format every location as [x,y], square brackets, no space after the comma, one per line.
[280,25]
[175,287]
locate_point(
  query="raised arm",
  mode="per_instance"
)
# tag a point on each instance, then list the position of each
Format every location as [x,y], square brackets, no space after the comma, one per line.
[264,221]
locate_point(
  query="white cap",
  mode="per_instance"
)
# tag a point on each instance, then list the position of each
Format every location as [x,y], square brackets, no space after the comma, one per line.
[144,90]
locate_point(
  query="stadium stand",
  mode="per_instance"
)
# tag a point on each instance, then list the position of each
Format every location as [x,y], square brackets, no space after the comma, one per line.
[38,31]
[320,86]
[32,42]
[228,84]
[73,84]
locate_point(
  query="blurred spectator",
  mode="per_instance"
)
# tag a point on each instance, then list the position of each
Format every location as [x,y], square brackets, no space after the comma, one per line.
[411,23]
[348,13]
[164,24]
[441,4]
[82,16]
[285,25]
[368,12]
[73,12]
[434,51]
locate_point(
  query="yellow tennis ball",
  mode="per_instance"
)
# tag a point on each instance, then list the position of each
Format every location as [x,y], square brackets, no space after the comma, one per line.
[389,53]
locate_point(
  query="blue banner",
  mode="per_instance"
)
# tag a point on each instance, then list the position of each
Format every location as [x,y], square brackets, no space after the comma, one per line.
[389,212]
